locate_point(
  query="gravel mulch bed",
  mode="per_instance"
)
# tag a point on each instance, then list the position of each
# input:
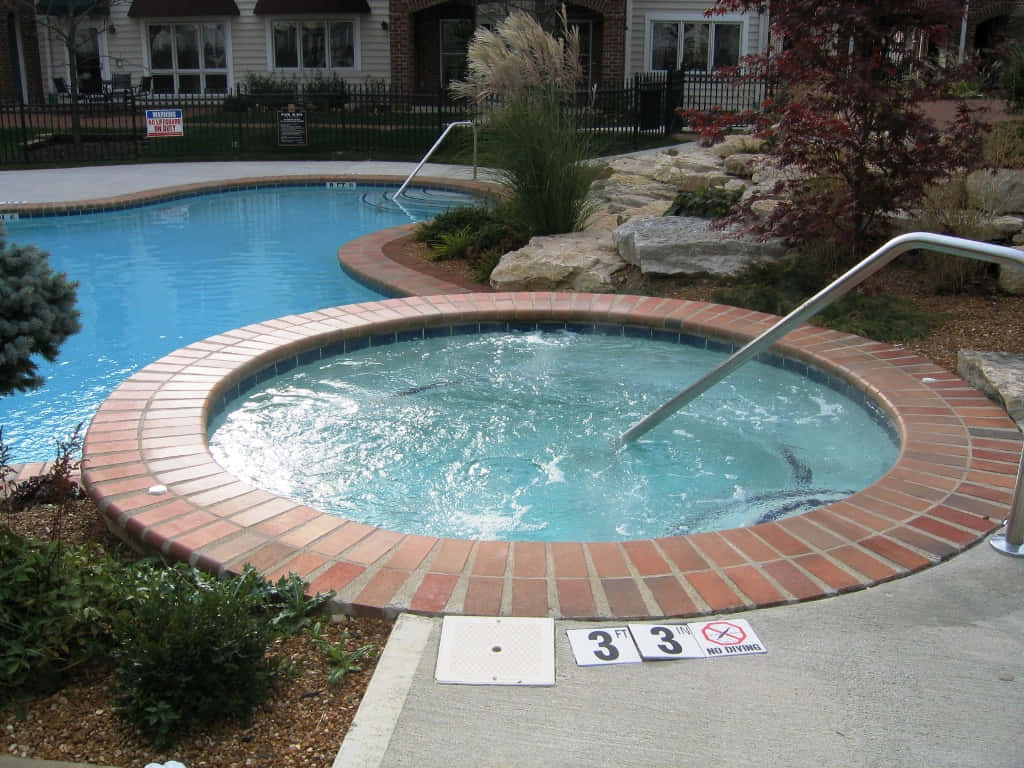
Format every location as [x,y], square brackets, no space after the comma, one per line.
[301,724]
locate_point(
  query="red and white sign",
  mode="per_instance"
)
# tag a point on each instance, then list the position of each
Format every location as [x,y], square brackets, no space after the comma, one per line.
[164,122]
[727,638]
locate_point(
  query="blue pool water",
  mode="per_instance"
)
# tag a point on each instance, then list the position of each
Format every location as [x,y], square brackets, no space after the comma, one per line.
[507,436]
[157,277]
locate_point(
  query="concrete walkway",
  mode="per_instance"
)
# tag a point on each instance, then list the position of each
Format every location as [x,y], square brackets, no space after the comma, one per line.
[923,671]
[64,185]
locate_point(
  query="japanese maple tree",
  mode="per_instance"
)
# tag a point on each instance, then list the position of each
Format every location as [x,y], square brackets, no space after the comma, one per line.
[850,77]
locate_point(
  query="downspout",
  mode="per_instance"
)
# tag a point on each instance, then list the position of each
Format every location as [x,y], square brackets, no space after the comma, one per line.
[963,31]
[628,53]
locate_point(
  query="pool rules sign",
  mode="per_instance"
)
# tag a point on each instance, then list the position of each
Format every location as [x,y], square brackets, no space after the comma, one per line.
[634,643]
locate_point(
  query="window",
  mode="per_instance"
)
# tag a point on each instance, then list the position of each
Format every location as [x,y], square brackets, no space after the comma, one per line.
[314,44]
[190,57]
[694,45]
[585,31]
[455,35]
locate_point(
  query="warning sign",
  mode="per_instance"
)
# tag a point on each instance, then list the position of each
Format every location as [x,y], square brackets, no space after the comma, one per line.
[164,122]
[666,641]
[727,638]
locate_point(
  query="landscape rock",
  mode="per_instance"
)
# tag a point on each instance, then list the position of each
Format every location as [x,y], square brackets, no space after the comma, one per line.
[743,164]
[1000,191]
[737,144]
[675,245]
[1007,225]
[1011,279]
[998,375]
[577,262]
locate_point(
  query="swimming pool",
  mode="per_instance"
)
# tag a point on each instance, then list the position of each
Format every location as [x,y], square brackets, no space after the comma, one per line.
[155,277]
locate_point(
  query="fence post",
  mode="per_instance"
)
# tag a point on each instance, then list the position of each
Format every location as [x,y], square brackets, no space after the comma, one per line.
[132,106]
[24,133]
[635,98]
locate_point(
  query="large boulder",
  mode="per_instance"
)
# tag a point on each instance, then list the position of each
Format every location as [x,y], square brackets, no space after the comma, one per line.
[573,262]
[1000,191]
[998,375]
[673,245]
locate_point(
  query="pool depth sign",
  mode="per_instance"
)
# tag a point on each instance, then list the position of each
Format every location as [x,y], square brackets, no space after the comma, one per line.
[652,642]
[164,122]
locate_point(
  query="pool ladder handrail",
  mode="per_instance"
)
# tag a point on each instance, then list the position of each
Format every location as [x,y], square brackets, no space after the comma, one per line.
[1012,541]
[430,151]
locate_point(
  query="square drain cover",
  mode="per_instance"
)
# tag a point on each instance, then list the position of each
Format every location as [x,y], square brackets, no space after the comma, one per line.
[479,650]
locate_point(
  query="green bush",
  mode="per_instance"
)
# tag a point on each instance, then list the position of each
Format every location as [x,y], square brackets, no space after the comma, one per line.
[477,234]
[780,287]
[452,245]
[453,220]
[325,92]
[706,202]
[57,608]
[37,313]
[192,649]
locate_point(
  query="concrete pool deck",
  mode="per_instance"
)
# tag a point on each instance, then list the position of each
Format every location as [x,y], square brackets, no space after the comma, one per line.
[922,671]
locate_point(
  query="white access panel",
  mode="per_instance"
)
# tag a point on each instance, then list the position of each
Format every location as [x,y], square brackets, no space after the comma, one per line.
[484,650]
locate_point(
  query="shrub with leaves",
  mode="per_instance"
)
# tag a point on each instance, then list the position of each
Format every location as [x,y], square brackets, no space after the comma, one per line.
[706,202]
[478,235]
[57,608]
[780,287]
[345,656]
[37,313]
[192,649]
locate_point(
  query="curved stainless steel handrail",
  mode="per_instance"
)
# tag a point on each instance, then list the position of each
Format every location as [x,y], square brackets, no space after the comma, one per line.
[430,151]
[1014,536]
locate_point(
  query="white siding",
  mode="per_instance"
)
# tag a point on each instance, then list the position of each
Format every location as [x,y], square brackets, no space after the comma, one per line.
[125,49]
[644,10]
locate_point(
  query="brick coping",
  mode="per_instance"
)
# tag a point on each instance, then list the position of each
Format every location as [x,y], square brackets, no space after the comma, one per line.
[951,485]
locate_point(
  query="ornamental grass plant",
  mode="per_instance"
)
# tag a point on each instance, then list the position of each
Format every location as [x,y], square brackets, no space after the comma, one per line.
[528,77]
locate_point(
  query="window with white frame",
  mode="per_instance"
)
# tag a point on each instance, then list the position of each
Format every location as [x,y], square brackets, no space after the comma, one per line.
[188,57]
[696,44]
[455,35]
[300,45]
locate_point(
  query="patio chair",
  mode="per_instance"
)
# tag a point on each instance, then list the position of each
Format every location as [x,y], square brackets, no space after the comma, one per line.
[121,83]
[60,85]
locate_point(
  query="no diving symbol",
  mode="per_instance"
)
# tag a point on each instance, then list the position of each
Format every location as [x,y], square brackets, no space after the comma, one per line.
[724,633]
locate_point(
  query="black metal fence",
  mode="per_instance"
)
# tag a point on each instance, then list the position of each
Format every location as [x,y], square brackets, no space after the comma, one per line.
[353,122]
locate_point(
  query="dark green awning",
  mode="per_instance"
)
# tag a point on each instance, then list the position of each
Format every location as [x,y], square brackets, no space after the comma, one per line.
[75,7]
[180,8]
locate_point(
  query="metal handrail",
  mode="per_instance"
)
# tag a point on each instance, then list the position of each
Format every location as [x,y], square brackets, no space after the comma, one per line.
[1014,536]
[430,151]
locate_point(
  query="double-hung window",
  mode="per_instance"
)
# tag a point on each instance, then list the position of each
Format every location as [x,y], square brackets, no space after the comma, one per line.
[694,44]
[188,57]
[299,45]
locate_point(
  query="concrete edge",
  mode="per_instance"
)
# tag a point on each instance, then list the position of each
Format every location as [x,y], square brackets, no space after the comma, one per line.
[370,733]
